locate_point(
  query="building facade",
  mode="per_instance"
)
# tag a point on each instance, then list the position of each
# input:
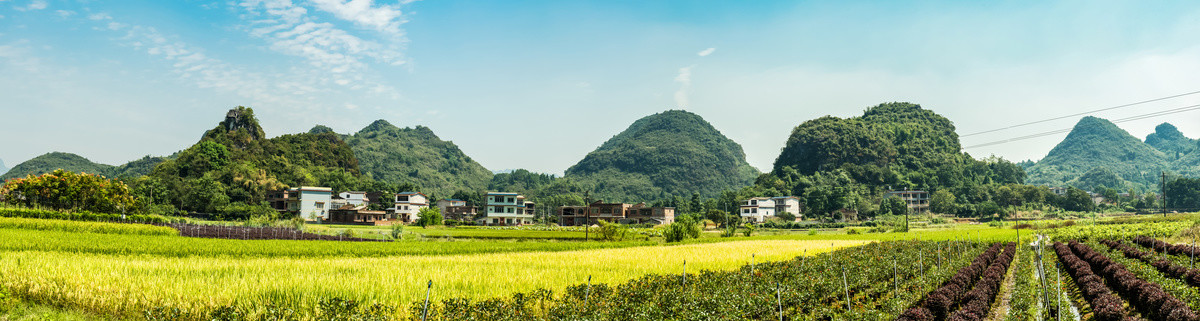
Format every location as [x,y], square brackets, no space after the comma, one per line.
[307,202]
[623,213]
[917,200]
[506,209]
[761,209]
[407,206]
[455,209]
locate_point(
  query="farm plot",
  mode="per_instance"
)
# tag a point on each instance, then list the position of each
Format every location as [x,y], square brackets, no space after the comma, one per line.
[970,292]
[1104,283]
[195,286]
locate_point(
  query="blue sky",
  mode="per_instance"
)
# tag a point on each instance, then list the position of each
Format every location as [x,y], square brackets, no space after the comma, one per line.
[116,80]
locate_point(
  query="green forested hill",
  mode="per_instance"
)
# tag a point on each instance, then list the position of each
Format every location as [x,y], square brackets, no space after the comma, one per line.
[235,163]
[415,156]
[1098,153]
[3,169]
[673,153]
[55,160]
[1167,139]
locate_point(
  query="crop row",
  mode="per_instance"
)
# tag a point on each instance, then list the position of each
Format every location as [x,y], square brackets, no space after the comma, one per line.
[939,303]
[84,227]
[1106,306]
[1191,276]
[1150,299]
[255,233]
[1160,246]
[80,215]
[977,303]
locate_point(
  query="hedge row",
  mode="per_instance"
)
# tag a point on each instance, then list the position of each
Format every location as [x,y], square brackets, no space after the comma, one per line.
[1160,246]
[1105,305]
[978,303]
[80,216]
[939,303]
[1149,298]
[1191,276]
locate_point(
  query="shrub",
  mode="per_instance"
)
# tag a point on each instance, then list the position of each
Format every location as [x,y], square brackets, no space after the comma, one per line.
[612,231]
[749,229]
[397,231]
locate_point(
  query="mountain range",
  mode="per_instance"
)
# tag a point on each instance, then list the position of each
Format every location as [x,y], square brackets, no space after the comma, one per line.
[1097,154]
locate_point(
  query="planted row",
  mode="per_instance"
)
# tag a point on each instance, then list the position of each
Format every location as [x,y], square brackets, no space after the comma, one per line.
[978,302]
[80,215]
[256,233]
[1149,298]
[1160,246]
[1191,276]
[938,304]
[1105,305]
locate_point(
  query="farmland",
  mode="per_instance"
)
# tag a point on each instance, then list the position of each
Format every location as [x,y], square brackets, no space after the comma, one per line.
[962,272]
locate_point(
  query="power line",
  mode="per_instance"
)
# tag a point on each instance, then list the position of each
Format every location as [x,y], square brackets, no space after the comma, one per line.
[1081,114]
[1060,131]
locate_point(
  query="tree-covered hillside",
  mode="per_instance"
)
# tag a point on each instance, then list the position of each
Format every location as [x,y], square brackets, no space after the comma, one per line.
[414,156]
[673,153]
[836,162]
[234,164]
[3,169]
[1097,153]
[1167,139]
[57,160]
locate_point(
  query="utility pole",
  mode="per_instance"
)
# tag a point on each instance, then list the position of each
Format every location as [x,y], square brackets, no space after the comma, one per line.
[587,214]
[1163,190]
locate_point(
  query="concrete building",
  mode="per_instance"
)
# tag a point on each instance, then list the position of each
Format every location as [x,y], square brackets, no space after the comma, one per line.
[506,209]
[761,209]
[917,200]
[359,215]
[307,202]
[623,213]
[455,209]
[407,206]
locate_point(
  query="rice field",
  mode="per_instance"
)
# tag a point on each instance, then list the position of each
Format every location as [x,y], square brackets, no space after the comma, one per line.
[127,285]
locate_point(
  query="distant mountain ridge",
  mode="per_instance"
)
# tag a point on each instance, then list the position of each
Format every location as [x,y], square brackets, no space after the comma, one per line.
[673,153]
[414,156]
[51,161]
[1098,154]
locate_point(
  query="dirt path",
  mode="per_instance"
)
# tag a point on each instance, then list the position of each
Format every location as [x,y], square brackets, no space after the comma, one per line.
[1000,307]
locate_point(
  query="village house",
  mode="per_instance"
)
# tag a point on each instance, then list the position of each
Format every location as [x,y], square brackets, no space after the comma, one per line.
[351,199]
[307,202]
[761,209]
[623,213]
[506,209]
[360,215]
[407,206]
[917,200]
[456,209]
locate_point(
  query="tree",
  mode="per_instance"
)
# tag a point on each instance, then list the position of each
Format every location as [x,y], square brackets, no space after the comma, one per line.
[1077,200]
[68,190]
[684,227]
[893,206]
[943,202]
[612,231]
[429,216]
[786,216]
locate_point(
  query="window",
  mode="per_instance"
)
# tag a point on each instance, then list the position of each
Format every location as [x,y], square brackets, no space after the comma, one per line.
[510,200]
[754,210]
[753,202]
[320,205]
[402,198]
[510,210]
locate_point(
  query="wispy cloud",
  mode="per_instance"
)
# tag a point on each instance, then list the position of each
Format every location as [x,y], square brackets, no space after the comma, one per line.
[706,52]
[33,5]
[685,85]
[384,18]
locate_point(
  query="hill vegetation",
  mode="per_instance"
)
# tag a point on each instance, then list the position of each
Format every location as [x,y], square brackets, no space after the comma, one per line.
[414,156]
[1097,154]
[669,154]
[71,162]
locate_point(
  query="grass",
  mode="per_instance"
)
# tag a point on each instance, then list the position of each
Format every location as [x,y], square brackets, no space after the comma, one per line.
[22,311]
[85,227]
[124,285]
[177,246]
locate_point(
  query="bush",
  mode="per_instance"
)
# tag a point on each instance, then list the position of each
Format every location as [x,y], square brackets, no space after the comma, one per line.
[683,228]
[81,216]
[429,216]
[852,231]
[612,231]
[749,229]
[397,231]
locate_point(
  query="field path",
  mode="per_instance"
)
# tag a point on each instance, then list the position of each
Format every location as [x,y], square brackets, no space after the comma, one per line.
[1001,306]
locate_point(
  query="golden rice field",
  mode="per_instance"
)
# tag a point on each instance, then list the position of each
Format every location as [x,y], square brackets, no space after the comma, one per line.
[128,284]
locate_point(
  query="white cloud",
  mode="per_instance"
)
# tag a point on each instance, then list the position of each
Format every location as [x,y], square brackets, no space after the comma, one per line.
[35,5]
[351,106]
[685,84]
[99,16]
[384,18]
[64,13]
[706,52]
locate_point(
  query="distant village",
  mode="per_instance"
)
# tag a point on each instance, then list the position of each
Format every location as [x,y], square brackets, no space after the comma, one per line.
[323,204]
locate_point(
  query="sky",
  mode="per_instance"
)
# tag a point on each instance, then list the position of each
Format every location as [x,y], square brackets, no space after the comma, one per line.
[117,80]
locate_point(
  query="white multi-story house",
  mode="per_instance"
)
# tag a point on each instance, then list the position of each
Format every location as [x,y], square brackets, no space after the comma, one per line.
[506,209]
[760,209]
[307,202]
[352,199]
[408,205]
